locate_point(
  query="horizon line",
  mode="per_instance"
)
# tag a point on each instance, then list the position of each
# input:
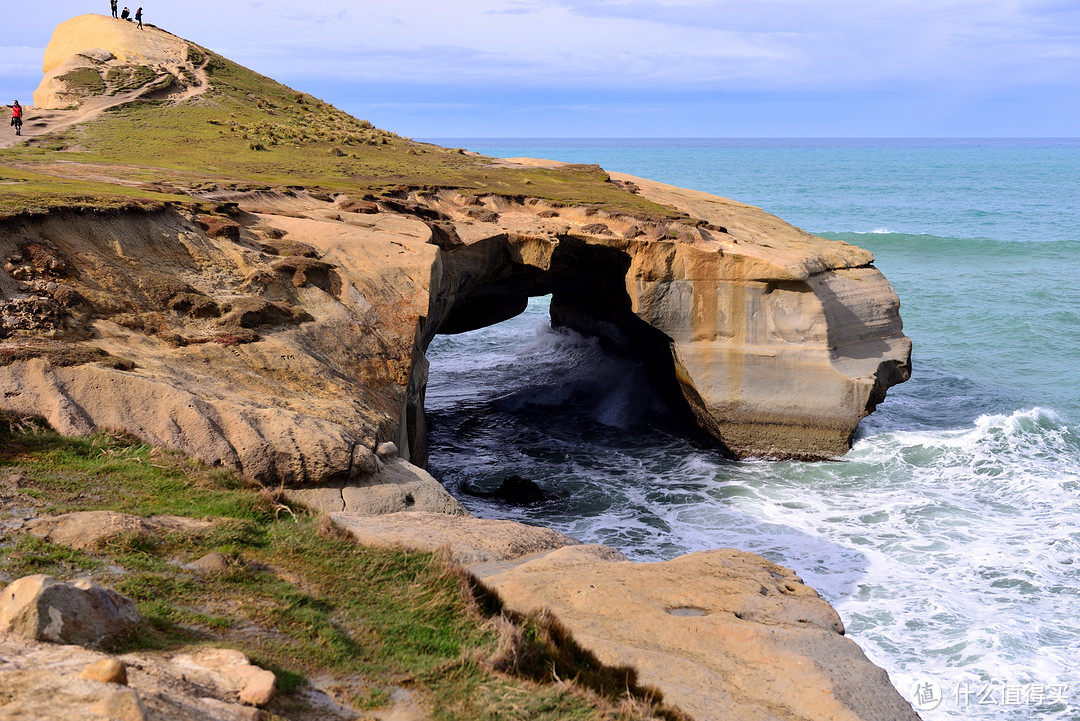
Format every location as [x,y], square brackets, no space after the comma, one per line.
[746,137]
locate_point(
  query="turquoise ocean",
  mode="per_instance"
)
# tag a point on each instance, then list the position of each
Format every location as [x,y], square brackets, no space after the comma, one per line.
[948,539]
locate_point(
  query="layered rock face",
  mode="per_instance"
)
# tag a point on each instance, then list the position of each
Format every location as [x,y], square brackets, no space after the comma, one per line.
[238,348]
[284,337]
[788,340]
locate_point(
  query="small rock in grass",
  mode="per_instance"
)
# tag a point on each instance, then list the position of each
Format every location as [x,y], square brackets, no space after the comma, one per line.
[260,687]
[212,562]
[107,670]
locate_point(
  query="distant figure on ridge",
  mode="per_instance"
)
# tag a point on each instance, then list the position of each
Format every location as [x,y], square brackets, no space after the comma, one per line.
[112,4]
[138,17]
[16,117]
[124,15]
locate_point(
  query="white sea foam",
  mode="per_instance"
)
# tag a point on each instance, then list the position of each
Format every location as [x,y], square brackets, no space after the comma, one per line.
[951,555]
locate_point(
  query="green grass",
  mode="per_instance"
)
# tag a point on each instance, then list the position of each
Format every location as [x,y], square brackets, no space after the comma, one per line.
[85,81]
[251,130]
[127,78]
[24,190]
[299,597]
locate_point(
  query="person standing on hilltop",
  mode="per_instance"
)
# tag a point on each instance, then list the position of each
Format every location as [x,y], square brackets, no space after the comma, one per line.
[16,117]
[112,4]
[125,13]
[138,17]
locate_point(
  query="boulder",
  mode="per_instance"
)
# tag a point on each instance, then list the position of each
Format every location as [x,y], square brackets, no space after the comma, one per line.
[399,486]
[80,613]
[364,462]
[107,670]
[515,490]
[725,635]
[229,671]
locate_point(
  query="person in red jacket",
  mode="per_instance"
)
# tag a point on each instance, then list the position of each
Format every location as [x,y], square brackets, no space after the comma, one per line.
[16,117]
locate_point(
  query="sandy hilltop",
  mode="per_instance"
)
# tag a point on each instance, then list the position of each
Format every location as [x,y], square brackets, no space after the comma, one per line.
[254,285]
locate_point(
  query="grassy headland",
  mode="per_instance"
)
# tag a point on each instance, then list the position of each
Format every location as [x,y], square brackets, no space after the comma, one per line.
[248,130]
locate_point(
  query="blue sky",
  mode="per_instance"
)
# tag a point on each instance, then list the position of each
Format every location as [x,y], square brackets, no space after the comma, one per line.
[637,68]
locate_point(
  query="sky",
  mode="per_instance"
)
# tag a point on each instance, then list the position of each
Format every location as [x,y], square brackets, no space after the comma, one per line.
[638,68]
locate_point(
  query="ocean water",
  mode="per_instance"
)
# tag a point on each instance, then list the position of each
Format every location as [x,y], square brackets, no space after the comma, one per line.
[948,539]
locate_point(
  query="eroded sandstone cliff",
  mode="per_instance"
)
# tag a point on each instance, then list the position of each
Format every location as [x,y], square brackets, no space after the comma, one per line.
[91,54]
[776,341]
[284,336]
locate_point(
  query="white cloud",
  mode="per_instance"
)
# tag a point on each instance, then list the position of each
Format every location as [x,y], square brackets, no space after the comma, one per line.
[695,47]
[709,44]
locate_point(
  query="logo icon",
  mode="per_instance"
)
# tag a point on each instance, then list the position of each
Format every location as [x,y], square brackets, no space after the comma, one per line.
[925,695]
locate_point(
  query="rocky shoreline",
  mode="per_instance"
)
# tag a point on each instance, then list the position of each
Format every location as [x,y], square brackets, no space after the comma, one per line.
[725,635]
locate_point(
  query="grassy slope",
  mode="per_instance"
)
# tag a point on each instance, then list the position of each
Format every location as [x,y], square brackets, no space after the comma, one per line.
[299,598]
[249,130]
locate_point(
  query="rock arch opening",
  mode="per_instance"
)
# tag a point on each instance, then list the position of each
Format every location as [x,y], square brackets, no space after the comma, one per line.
[492,281]
[525,420]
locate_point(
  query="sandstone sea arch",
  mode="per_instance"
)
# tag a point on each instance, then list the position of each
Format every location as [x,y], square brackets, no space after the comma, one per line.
[777,342]
[282,333]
